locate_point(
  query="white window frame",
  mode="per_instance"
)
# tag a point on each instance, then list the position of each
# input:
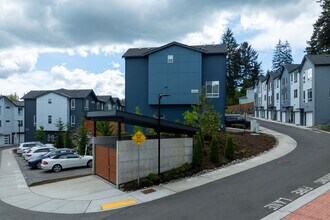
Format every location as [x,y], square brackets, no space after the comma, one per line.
[50,119]
[20,123]
[73,104]
[170,58]
[73,119]
[309,95]
[20,110]
[86,104]
[213,93]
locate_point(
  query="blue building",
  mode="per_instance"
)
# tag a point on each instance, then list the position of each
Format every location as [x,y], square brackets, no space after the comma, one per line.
[178,70]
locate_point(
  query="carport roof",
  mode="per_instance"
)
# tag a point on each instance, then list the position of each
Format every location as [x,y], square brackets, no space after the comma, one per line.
[141,120]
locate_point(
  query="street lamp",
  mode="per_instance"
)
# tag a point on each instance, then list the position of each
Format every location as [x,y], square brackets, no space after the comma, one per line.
[160,96]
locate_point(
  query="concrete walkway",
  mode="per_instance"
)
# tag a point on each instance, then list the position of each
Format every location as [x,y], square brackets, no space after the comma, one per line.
[93,194]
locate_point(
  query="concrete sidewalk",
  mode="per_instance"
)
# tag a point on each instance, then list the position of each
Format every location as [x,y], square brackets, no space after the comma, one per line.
[93,194]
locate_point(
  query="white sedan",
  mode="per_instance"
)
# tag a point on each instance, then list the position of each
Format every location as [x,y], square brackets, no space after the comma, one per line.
[63,161]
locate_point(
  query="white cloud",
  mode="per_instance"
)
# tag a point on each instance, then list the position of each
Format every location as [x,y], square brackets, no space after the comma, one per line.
[115,64]
[17,61]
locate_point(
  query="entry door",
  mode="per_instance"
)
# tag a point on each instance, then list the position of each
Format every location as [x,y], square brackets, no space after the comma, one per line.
[105,163]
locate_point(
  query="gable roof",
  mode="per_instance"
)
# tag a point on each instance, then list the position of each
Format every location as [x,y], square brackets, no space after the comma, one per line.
[275,75]
[77,93]
[207,49]
[319,59]
[291,67]
[16,103]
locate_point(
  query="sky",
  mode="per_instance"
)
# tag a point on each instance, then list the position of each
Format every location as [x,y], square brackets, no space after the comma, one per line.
[71,44]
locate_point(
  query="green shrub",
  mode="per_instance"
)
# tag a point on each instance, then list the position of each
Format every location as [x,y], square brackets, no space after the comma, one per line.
[198,152]
[230,150]
[214,150]
[325,127]
[153,178]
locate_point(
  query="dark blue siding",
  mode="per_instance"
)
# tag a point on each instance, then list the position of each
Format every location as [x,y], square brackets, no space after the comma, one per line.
[176,79]
[30,110]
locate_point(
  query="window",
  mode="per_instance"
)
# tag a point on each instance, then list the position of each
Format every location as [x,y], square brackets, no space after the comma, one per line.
[284,97]
[304,96]
[212,89]
[269,100]
[277,96]
[295,93]
[49,101]
[73,119]
[73,104]
[309,74]
[7,107]
[98,105]
[304,79]
[0,123]
[270,86]
[102,106]
[20,123]
[309,95]
[87,105]
[49,119]
[20,111]
[265,98]
[169,58]
[7,121]
[34,120]
[295,77]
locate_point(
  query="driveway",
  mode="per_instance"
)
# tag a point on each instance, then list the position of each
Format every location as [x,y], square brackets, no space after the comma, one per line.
[39,176]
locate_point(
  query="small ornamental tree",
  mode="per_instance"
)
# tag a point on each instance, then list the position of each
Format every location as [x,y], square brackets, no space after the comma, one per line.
[68,137]
[83,139]
[230,149]
[59,140]
[204,116]
[40,134]
[214,150]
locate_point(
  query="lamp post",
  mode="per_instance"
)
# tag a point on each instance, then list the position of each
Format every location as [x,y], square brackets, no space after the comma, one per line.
[19,131]
[160,96]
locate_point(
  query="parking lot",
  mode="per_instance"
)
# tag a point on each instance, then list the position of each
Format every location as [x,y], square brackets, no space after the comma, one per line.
[39,176]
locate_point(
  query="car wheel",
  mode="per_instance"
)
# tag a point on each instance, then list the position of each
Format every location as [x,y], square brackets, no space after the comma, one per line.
[90,163]
[39,165]
[57,168]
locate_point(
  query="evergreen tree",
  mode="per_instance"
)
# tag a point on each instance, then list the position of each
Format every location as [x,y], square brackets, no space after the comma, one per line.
[214,150]
[68,137]
[282,55]
[40,134]
[138,112]
[250,67]
[233,65]
[104,128]
[59,140]
[83,137]
[13,97]
[320,39]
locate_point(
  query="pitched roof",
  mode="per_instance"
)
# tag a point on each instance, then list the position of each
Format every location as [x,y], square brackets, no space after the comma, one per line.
[207,49]
[291,67]
[319,59]
[17,103]
[104,98]
[275,75]
[77,93]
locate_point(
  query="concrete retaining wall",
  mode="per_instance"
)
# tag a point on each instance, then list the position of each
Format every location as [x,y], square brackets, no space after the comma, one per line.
[174,153]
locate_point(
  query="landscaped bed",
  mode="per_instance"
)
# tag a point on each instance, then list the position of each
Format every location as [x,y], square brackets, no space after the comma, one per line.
[246,145]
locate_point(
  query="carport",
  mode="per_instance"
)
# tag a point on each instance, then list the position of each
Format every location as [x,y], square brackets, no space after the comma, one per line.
[111,166]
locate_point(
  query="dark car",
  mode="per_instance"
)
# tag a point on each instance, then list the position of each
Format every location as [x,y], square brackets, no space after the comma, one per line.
[236,120]
[36,162]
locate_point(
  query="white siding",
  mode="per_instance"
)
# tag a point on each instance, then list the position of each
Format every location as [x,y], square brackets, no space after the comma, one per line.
[295,86]
[283,116]
[278,115]
[277,93]
[58,108]
[297,118]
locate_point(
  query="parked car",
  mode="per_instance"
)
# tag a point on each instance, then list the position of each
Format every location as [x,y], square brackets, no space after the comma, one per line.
[63,161]
[35,162]
[236,119]
[38,151]
[26,146]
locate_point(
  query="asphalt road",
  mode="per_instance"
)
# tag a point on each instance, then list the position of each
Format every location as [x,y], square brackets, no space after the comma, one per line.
[252,194]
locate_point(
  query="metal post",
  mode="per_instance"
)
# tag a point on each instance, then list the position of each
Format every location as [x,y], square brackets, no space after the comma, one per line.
[19,132]
[160,96]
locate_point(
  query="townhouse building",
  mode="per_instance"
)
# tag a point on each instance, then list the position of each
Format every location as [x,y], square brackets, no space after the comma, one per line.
[302,92]
[315,89]
[178,71]
[111,103]
[11,121]
[46,107]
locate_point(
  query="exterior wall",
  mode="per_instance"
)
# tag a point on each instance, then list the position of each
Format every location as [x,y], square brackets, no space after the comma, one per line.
[295,101]
[321,94]
[178,79]
[277,95]
[10,114]
[136,87]
[173,153]
[30,112]
[307,82]
[264,99]
[57,109]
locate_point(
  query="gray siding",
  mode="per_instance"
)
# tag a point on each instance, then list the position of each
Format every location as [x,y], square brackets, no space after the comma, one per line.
[321,95]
